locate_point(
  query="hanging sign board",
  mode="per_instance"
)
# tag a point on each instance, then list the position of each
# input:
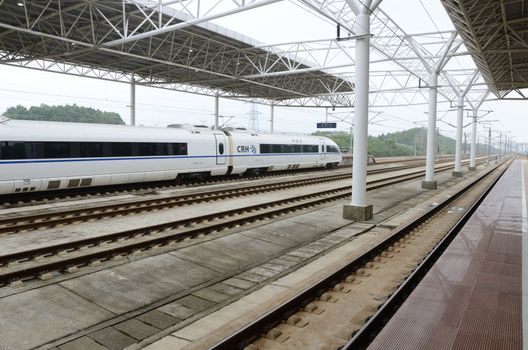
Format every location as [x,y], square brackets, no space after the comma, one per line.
[326,125]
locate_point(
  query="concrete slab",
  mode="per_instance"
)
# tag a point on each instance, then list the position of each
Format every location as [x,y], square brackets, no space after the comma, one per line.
[128,287]
[158,319]
[83,343]
[251,246]
[230,312]
[252,277]
[325,222]
[239,283]
[168,343]
[287,233]
[195,303]
[214,257]
[41,315]
[397,220]
[136,329]
[211,295]
[177,310]
[112,338]
[226,289]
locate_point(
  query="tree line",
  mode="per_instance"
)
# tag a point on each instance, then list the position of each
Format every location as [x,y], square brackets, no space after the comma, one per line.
[66,113]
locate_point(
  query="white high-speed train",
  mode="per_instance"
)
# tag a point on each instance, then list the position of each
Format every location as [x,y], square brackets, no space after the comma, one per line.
[40,156]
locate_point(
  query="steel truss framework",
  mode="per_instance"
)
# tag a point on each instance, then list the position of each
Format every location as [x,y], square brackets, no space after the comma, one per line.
[156,44]
[171,45]
[495,33]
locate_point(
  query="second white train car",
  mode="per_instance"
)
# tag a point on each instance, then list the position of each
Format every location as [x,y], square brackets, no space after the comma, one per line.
[40,156]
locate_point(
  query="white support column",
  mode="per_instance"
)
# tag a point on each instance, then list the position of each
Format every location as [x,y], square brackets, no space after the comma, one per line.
[473,157]
[217,113]
[358,209]
[272,117]
[133,101]
[458,150]
[489,147]
[500,146]
[429,182]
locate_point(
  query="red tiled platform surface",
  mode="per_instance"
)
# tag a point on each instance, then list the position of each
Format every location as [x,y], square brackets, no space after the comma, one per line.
[471,298]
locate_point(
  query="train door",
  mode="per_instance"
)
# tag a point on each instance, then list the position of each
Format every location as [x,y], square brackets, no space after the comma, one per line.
[221,149]
[323,148]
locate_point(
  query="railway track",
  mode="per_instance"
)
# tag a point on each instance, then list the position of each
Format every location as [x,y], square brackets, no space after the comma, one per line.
[20,223]
[362,294]
[46,262]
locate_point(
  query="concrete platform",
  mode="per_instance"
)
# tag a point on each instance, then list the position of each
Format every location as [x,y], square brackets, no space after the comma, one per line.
[125,288]
[39,316]
[471,297]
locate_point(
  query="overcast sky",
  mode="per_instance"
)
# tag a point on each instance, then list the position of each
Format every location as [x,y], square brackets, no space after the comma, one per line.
[275,23]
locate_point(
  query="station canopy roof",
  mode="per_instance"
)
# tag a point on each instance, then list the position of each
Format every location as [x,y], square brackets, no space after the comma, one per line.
[96,35]
[495,33]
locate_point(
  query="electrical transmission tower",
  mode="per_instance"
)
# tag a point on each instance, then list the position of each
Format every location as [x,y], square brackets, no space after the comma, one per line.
[253,117]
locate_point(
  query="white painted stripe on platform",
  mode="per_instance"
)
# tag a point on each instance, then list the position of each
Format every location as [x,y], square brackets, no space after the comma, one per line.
[524,266]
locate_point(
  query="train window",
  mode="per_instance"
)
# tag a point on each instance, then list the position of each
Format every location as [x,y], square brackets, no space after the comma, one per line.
[221,148]
[121,149]
[91,149]
[179,149]
[332,149]
[13,150]
[147,149]
[265,148]
[37,151]
[75,149]
[310,148]
[163,149]
[57,150]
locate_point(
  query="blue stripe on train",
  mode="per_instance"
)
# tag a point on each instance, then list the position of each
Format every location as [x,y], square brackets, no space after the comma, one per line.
[145,158]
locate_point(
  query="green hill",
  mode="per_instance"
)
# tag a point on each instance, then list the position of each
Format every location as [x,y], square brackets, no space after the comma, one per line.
[67,113]
[402,143]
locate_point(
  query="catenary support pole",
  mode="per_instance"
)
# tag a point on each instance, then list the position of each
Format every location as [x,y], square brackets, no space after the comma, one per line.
[358,209]
[500,145]
[429,182]
[133,101]
[272,117]
[473,155]
[489,146]
[217,114]
[458,149]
